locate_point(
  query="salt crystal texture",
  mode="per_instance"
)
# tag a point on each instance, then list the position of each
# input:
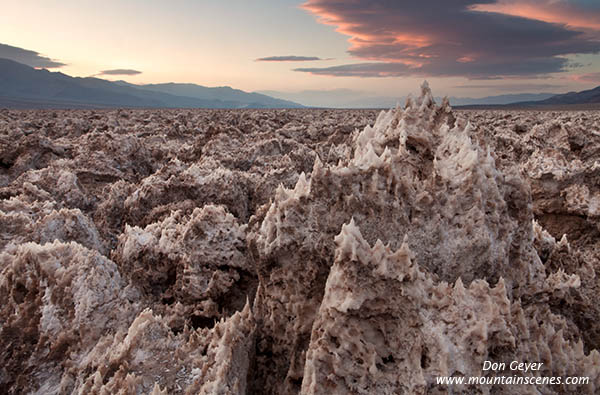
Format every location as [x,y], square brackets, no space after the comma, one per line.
[297,251]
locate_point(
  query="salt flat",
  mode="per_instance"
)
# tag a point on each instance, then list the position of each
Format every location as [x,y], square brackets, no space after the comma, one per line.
[296,251]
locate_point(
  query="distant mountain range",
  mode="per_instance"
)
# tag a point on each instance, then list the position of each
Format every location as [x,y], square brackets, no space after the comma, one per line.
[22,86]
[588,99]
[336,98]
[591,96]
[345,98]
[500,99]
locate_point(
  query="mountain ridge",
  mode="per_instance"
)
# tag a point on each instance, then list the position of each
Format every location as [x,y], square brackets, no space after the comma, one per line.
[589,96]
[22,86]
[583,100]
[346,98]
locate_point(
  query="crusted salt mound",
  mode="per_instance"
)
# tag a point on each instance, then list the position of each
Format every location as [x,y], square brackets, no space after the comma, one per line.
[31,152]
[557,153]
[59,300]
[579,307]
[71,324]
[61,170]
[416,172]
[195,183]
[198,261]
[385,326]
[149,357]
[181,186]
[68,225]
[110,214]
[55,183]
[556,174]
[17,214]
[24,218]
[437,183]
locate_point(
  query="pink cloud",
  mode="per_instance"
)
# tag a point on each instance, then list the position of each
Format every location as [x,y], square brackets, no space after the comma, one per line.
[551,11]
[589,77]
[478,39]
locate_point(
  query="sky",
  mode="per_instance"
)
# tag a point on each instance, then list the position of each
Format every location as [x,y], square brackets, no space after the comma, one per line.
[352,48]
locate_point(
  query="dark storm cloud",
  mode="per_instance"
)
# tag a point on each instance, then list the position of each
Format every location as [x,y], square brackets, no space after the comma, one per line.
[448,38]
[489,69]
[30,58]
[119,72]
[288,59]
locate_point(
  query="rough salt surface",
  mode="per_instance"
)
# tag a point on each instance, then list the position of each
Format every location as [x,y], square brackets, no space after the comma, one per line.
[296,251]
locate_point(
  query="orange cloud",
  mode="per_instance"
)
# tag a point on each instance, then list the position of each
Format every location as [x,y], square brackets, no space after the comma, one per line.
[504,38]
[544,10]
[589,77]
[466,59]
[361,38]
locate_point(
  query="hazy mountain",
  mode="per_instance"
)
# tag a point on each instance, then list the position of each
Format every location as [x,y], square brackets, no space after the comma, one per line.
[22,86]
[346,98]
[336,98]
[584,97]
[218,93]
[500,99]
[588,99]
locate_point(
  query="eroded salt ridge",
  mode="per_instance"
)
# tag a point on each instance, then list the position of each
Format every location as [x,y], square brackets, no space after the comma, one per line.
[416,175]
[156,251]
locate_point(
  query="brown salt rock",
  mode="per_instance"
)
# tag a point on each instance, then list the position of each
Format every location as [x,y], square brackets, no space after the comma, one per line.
[178,185]
[416,172]
[22,152]
[71,324]
[34,216]
[59,301]
[17,215]
[192,260]
[67,225]
[424,171]
[579,306]
[56,183]
[110,213]
[149,357]
[558,154]
[385,326]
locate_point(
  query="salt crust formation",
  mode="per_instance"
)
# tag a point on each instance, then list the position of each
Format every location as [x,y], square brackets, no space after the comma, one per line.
[297,251]
[417,178]
[558,153]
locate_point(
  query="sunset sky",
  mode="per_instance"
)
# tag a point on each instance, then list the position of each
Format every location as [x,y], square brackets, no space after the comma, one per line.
[466,48]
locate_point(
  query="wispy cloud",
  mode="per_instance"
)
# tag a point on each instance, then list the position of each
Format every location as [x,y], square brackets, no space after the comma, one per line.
[290,58]
[28,57]
[456,37]
[589,77]
[579,14]
[119,72]
[361,70]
